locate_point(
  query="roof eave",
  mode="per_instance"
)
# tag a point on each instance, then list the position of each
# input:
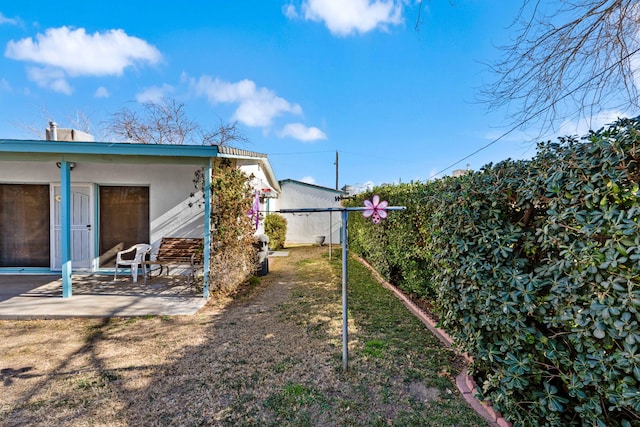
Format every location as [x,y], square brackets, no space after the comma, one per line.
[106,148]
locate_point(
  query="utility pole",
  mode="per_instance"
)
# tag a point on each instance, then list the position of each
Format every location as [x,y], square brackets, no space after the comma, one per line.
[336,169]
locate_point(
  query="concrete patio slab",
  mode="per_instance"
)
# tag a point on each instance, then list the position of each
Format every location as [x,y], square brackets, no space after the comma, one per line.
[24,297]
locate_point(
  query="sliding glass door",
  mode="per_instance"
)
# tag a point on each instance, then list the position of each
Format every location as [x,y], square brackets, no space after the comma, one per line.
[124,220]
[24,225]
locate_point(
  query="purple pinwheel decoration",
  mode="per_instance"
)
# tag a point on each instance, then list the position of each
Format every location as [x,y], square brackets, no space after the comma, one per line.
[254,212]
[375,209]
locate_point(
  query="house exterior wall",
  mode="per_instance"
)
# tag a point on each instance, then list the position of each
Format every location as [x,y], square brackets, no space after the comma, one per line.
[260,182]
[170,186]
[303,227]
[259,178]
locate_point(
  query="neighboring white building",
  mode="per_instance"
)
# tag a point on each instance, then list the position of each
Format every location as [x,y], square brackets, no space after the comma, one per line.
[303,227]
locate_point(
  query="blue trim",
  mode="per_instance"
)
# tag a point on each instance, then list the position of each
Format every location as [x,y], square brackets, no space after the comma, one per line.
[65,227]
[207,228]
[108,148]
[27,270]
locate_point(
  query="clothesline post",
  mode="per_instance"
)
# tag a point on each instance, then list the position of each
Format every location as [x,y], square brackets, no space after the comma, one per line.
[345,273]
[376,210]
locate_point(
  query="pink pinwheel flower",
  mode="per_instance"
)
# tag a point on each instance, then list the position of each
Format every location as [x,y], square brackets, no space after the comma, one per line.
[375,209]
[254,212]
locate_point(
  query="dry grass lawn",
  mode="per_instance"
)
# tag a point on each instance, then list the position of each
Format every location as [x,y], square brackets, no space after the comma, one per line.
[268,356]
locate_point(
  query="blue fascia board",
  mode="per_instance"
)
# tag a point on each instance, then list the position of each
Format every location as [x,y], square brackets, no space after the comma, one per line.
[108,148]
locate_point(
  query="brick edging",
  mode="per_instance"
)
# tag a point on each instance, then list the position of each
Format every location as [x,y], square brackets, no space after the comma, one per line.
[464,381]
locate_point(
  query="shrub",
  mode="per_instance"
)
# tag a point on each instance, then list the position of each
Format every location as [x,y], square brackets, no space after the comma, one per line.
[396,246]
[233,256]
[535,267]
[275,226]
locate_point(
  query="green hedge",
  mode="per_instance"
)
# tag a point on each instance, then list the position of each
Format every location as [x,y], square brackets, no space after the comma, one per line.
[275,226]
[397,247]
[534,269]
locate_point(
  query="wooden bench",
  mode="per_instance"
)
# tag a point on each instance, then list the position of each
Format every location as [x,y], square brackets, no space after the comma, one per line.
[182,252]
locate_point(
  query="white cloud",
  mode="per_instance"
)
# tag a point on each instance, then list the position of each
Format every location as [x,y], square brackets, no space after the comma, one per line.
[51,78]
[5,20]
[308,180]
[102,92]
[361,187]
[569,127]
[154,93]
[79,54]
[584,125]
[290,11]
[346,17]
[257,107]
[302,133]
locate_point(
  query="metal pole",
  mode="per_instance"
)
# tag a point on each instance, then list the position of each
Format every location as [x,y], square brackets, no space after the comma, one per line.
[345,257]
[345,316]
[330,235]
[207,228]
[65,227]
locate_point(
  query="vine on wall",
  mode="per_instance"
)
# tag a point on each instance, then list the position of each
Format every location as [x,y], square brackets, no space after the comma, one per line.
[233,253]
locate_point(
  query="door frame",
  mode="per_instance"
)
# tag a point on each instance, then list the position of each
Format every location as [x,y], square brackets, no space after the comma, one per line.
[90,188]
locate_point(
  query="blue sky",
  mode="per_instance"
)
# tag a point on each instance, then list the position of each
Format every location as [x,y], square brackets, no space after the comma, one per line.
[303,78]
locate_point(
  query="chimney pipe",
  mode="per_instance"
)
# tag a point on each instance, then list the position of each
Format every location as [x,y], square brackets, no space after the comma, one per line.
[53,132]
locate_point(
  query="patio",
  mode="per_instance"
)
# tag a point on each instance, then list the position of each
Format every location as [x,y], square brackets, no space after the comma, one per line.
[24,297]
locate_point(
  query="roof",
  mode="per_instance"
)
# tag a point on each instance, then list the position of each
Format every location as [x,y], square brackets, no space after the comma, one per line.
[318,187]
[40,150]
[225,150]
[106,148]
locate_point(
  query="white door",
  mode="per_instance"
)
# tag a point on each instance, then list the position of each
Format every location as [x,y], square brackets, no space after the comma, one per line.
[81,228]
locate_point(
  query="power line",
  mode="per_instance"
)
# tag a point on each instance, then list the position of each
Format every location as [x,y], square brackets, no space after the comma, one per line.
[477,151]
[536,114]
[301,153]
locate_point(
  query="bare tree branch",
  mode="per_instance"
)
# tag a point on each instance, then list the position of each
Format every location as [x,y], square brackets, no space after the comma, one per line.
[163,122]
[80,120]
[570,59]
[224,134]
[166,122]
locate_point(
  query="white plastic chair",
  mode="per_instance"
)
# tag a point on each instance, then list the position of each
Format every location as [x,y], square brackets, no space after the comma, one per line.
[141,249]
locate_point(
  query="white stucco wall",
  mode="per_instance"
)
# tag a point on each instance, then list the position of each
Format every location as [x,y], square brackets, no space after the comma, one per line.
[259,182]
[303,227]
[169,189]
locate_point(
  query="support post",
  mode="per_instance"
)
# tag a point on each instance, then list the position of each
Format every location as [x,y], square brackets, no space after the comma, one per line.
[207,228]
[65,227]
[345,315]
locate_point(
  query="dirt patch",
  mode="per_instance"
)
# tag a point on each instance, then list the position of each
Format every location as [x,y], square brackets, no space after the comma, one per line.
[269,356]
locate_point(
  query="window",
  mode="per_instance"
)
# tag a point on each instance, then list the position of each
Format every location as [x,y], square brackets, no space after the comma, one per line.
[24,225]
[124,220]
